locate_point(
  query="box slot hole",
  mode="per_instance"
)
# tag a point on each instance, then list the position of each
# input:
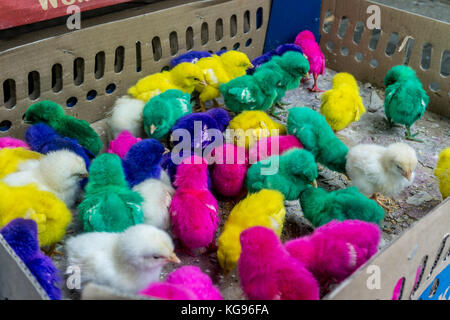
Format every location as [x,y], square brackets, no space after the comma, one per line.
[438,255]
[5,125]
[359,57]
[57,80]
[189,38]
[99,65]
[343,25]
[344,51]
[91,95]
[173,42]
[9,93]
[233,25]
[330,46]
[236,46]
[374,39]
[259,18]
[157,49]
[219,29]
[246,21]
[78,71]
[71,102]
[204,34]
[328,21]
[398,289]
[249,42]
[419,275]
[392,44]
[34,85]
[409,48]
[138,57]
[425,62]
[359,30]
[119,59]
[434,288]
[445,63]
[110,88]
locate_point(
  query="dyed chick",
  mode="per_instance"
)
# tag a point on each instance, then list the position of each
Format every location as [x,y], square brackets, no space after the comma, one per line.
[320,206]
[317,137]
[22,236]
[11,158]
[250,126]
[268,272]
[194,224]
[44,139]
[190,57]
[184,77]
[289,173]
[264,208]
[218,70]
[162,112]
[342,105]
[50,213]
[377,169]
[336,250]
[122,144]
[229,169]
[272,146]
[53,114]
[311,49]
[126,115]
[8,142]
[256,92]
[109,205]
[145,176]
[59,172]
[405,100]
[204,128]
[127,261]
[442,172]
[185,283]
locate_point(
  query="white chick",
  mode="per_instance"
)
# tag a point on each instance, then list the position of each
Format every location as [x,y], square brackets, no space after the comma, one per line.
[128,261]
[59,172]
[376,169]
[127,115]
[157,196]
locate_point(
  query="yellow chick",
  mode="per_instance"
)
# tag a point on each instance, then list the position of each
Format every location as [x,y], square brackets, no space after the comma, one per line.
[342,105]
[50,213]
[250,126]
[184,77]
[265,208]
[442,172]
[218,70]
[11,158]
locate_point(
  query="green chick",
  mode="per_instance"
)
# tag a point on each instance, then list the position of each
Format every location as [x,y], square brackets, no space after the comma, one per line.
[52,114]
[320,206]
[252,92]
[289,173]
[162,111]
[109,204]
[405,100]
[316,135]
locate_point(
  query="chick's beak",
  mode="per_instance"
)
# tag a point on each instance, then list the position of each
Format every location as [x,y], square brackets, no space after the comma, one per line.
[314,184]
[407,175]
[166,151]
[84,175]
[173,258]
[153,128]
[251,66]
[203,83]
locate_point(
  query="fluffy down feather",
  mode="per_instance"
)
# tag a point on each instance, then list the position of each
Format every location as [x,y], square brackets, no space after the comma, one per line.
[126,115]
[22,237]
[194,224]
[342,105]
[320,206]
[122,144]
[189,57]
[185,283]
[317,137]
[250,126]
[109,205]
[272,146]
[290,173]
[50,213]
[442,172]
[336,250]
[266,57]
[8,142]
[268,272]
[265,208]
[11,158]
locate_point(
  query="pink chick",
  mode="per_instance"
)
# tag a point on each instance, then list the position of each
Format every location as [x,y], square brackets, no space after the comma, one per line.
[334,251]
[8,142]
[122,143]
[185,283]
[194,211]
[229,169]
[311,49]
[268,272]
[262,149]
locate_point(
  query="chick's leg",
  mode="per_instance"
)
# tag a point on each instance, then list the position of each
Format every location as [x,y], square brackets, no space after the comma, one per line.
[380,202]
[315,88]
[216,104]
[52,251]
[411,137]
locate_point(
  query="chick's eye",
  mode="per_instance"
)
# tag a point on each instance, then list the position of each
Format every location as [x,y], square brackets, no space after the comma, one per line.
[196,79]
[156,257]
